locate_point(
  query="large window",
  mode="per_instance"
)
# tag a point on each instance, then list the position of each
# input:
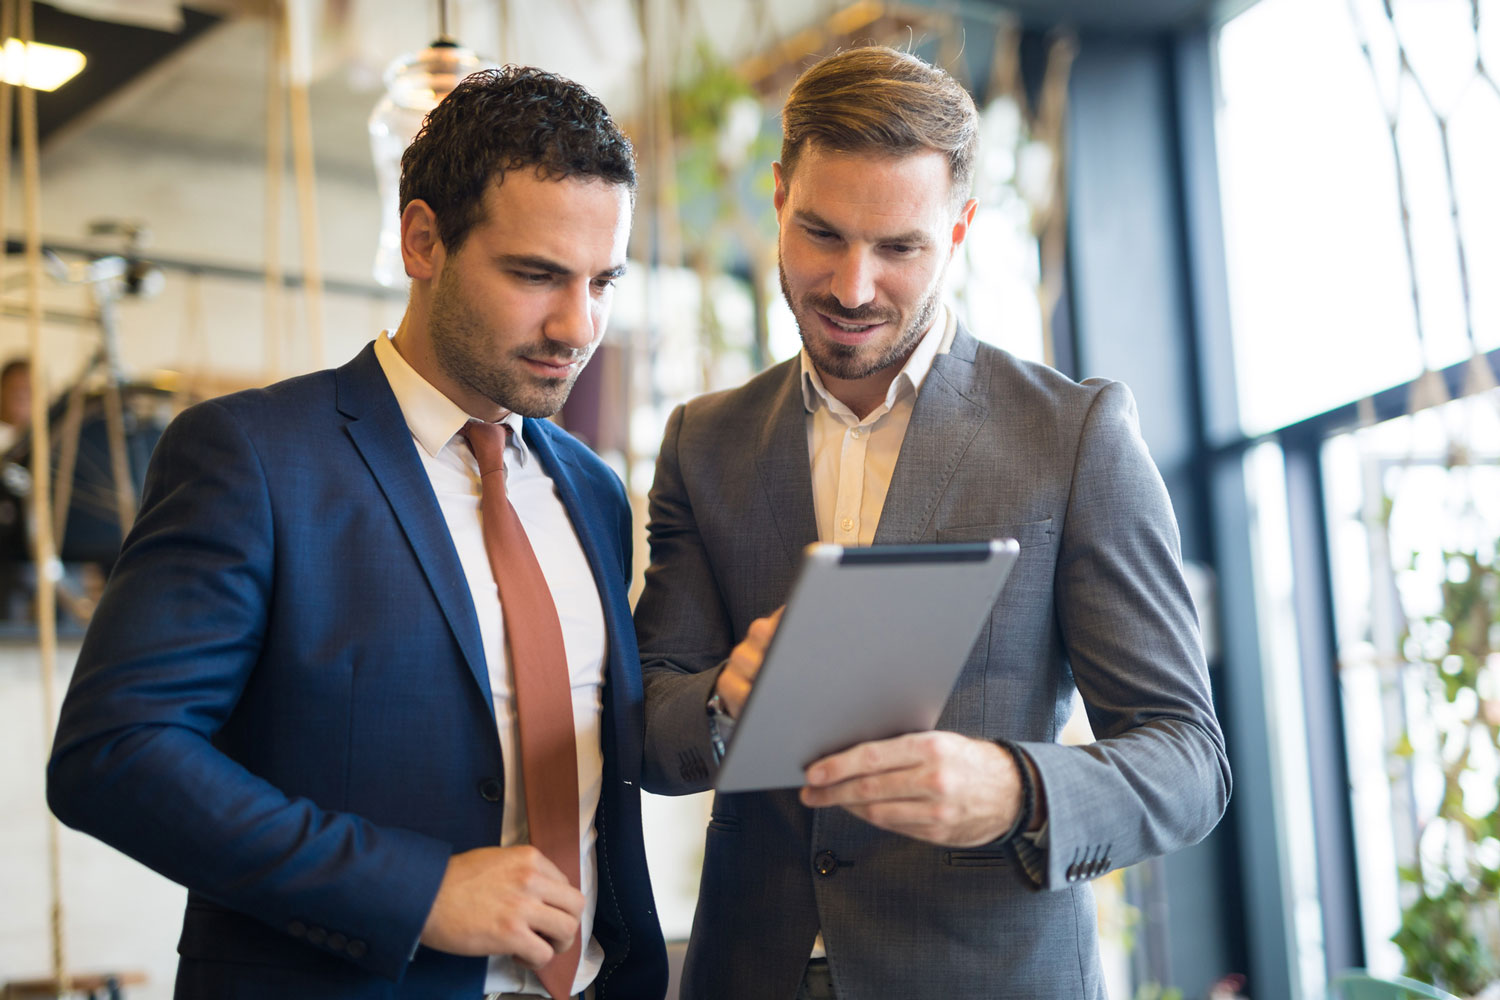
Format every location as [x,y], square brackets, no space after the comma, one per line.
[1321,294]
[1359,143]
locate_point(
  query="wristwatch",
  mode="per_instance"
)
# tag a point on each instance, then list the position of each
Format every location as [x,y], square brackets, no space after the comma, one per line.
[720,724]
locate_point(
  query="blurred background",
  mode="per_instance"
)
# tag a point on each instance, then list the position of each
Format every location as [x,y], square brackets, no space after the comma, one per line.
[1277,220]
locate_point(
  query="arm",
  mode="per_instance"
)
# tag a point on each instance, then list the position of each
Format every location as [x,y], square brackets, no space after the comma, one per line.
[1157,778]
[172,648]
[684,632]
[1129,627]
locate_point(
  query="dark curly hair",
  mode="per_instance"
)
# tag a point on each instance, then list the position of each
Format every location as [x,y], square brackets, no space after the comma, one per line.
[499,120]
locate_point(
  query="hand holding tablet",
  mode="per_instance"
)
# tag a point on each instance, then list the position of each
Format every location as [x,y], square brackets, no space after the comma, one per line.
[870,646]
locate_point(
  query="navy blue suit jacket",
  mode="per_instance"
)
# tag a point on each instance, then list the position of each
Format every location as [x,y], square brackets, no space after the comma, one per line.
[282,701]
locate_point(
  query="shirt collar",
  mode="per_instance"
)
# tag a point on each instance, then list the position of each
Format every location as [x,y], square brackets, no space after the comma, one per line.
[432,417]
[937,340]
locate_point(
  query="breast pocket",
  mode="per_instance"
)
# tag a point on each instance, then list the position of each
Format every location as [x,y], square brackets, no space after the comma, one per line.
[1030,534]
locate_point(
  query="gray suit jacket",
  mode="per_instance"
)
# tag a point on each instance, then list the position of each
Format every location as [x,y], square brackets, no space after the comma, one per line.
[996,447]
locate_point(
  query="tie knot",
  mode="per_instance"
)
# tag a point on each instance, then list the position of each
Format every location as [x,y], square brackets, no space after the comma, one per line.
[487,441]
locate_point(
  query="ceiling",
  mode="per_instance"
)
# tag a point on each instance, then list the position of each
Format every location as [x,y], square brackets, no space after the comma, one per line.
[201,89]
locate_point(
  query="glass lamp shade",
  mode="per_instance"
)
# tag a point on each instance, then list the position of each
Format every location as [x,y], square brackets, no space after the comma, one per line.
[414,84]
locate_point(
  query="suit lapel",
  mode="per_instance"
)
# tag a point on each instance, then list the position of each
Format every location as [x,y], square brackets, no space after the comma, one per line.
[622,681]
[383,439]
[949,411]
[785,470]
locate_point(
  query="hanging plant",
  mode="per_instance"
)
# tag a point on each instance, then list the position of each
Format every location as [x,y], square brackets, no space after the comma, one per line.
[1450,932]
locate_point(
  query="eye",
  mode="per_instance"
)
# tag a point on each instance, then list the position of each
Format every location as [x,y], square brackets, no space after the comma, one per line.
[901,249]
[820,235]
[533,277]
[603,284]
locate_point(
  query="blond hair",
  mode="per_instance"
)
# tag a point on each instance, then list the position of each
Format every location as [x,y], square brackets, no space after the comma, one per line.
[880,101]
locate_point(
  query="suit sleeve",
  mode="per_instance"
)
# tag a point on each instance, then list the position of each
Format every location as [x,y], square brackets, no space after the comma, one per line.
[684,632]
[174,643]
[1157,778]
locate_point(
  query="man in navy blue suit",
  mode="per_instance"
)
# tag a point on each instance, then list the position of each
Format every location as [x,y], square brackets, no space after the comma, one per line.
[294,698]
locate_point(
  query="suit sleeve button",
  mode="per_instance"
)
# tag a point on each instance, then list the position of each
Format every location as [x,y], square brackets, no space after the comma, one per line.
[316,935]
[296,928]
[1073,873]
[336,941]
[491,790]
[356,948]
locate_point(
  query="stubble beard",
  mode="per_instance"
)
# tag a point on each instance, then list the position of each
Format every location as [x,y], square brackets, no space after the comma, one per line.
[459,345]
[844,361]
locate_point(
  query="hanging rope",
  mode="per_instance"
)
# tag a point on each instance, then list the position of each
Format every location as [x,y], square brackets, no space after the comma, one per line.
[276,54]
[1430,389]
[43,553]
[300,60]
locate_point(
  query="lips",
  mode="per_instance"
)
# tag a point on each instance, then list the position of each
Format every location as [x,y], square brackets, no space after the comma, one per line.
[846,332]
[551,367]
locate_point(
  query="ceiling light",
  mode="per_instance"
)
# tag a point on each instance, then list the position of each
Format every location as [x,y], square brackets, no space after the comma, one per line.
[38,66]
[414,84]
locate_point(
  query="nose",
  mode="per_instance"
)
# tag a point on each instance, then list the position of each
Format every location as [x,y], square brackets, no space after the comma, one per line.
[573,321]
[853,282]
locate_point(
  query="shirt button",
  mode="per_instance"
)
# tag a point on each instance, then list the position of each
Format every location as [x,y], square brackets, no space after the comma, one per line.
[858,432]
[847,524]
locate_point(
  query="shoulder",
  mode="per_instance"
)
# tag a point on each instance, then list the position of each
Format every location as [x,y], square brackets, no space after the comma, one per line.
[1031,382]
[267,407]
[745,406]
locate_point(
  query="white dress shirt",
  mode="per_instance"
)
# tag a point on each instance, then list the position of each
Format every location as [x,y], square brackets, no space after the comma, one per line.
[853,459]
[435,422]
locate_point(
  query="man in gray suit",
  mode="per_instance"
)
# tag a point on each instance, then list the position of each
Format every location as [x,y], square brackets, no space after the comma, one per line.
[951,863]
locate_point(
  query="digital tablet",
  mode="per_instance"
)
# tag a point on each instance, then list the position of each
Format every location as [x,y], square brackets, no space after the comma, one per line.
[870,646]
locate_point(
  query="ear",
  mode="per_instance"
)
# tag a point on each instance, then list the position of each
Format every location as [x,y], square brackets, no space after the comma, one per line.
[779,198]
[421,246]
[962,223]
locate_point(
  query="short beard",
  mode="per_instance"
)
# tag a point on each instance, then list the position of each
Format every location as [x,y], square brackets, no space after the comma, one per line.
[458,342]
[842,361]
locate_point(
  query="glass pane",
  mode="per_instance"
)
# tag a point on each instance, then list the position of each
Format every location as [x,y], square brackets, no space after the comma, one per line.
[1409,503]
[1321,297]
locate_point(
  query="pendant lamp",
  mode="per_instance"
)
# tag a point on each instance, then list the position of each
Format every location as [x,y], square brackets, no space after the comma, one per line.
[414,84]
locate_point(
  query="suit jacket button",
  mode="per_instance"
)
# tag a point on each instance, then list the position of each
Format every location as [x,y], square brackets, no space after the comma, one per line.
[491,790]
[826,864]
[336,941]
[316,935]
[356,948]
[296,928]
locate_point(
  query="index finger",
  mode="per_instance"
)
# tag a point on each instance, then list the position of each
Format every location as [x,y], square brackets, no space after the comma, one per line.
[874,757]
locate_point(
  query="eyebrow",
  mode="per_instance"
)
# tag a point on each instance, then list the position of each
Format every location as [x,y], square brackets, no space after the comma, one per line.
[533,262]
[916,236]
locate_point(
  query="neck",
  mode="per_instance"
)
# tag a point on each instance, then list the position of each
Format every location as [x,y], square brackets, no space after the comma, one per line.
[862,395]
[413,341]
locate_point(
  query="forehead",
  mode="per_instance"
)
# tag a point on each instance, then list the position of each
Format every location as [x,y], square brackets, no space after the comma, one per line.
[860,190]
[581,222]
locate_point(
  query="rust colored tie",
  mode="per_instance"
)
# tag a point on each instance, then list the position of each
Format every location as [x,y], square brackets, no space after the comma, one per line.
[544,691]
